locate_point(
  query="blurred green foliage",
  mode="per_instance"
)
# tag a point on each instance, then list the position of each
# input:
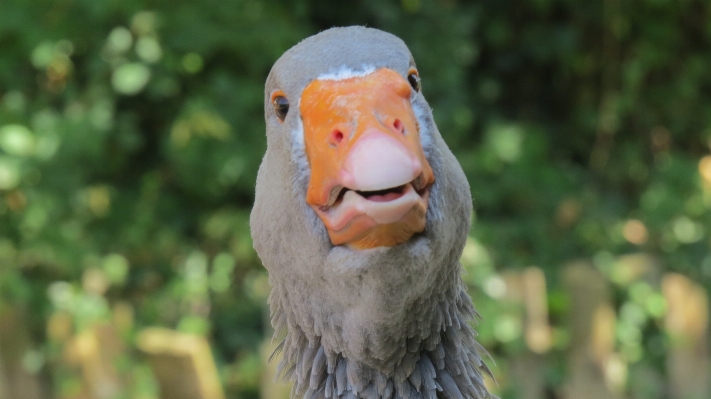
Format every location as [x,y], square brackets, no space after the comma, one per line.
[131,132]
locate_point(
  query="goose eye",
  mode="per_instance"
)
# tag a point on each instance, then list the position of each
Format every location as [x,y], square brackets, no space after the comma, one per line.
[281,106]
[414,80]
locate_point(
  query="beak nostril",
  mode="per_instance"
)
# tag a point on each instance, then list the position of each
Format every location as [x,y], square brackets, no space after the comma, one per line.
[397,124]
[336,137]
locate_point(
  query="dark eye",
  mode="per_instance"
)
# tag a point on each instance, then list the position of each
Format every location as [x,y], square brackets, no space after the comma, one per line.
[281,107]
[414,80]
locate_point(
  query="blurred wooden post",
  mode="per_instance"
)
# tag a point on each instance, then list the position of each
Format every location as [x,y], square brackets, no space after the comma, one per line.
[182,363]
[686,323]
[592,333]
[16,382]
[528,290]
[96,351]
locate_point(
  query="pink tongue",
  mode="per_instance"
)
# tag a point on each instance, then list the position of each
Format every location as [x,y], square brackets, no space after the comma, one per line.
[385,197]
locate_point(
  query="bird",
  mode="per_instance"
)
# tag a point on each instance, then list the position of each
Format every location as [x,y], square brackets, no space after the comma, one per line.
[360,217]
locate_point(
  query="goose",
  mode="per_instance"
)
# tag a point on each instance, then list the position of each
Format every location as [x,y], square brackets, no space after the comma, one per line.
[360,217]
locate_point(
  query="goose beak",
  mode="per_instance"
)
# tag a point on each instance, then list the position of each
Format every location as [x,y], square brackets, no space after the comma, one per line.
[370,179]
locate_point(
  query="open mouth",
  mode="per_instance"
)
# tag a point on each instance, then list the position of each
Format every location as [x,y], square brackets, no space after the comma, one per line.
[384,206]
[384,195]
[389,194]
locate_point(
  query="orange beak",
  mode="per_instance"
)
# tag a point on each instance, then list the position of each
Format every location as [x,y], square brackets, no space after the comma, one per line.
[370,179]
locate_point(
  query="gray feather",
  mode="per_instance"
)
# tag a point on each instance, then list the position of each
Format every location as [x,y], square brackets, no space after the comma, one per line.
[341,378]
[329,387]
[318,368]
[449,386]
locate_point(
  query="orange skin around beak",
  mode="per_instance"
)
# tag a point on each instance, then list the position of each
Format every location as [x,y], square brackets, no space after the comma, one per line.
[370,179]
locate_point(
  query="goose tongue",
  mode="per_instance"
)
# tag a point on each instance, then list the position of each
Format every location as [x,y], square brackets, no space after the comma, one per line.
[361,136]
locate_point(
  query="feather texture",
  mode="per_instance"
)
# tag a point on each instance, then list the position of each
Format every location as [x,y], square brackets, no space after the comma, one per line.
[454,367]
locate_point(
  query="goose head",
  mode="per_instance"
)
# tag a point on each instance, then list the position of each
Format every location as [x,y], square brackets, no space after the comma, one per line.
[361,213]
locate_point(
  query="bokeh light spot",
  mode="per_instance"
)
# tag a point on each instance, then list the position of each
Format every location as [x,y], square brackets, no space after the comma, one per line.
[115,266]
[507,328]
[495,287]
[705,169]
[94,281]
[221,276]
[506,141]
[131,78]
[42,55]
[687,231]
[144,22]
[16,140]
[149,49]
[635,232]
[192,63]
[119,40]
[9,173]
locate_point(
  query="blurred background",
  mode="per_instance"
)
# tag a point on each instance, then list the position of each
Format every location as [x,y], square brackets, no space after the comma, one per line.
[131,132]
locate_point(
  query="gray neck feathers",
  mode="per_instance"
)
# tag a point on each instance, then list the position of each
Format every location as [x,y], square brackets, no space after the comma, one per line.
[443,361]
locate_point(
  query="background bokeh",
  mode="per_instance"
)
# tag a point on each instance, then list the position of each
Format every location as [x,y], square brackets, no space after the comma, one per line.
[131,132]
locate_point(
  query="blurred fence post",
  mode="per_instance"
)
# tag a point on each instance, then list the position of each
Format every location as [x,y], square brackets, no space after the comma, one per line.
[686,323]
[96,351]
[592,333]
[182,363]
[527,289]
[16,381]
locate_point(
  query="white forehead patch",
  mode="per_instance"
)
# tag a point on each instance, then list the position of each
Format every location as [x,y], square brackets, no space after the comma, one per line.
[344,72]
